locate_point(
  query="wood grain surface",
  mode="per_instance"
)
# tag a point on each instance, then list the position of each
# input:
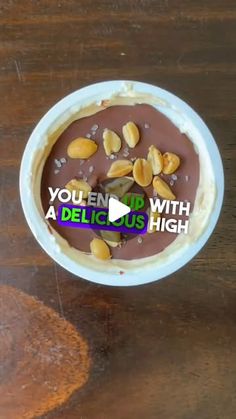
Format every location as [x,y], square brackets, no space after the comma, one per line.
[165,350]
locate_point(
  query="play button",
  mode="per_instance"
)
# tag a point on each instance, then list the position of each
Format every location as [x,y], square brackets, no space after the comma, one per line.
[117,210]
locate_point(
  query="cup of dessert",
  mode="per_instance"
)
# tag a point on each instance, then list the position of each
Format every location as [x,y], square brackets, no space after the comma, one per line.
[123,134]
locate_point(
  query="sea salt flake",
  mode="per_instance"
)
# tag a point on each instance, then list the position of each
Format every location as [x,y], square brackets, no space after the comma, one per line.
[172,182]
[146,125]
[91,169]
[126,152]
[88,135]
[63,160]
[81,172]
[56,171]
[94,127]
[140,240]
[112,156]
[122,243]
[174,177]
[81,162]
[187,178]
[57,163]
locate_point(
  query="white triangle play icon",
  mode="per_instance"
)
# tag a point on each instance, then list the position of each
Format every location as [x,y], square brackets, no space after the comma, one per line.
[117,209]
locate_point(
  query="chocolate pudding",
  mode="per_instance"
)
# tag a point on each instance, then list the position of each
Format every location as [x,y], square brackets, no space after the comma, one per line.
[155,129]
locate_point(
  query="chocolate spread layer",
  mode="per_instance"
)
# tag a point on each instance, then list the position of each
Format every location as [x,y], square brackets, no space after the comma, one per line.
[155,129]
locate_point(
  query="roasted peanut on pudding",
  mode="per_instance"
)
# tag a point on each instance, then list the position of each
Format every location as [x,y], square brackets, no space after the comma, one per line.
[111,142]
[77,186]
[142,172]
[171,163]
[100,249]
[162,189]
[131,134]
[155,159]
[120,168]
[81,148]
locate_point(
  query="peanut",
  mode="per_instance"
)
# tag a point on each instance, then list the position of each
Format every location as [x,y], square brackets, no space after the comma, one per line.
[120,186]
[162,189]
[120,168]
[81,148]
[112,238]
[77,186]
[99,249]
[131,134]
[111,142]
[155,159]
[142,172]
[171,163]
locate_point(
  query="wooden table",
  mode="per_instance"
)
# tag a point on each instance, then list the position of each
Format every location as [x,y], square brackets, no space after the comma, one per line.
[165,350]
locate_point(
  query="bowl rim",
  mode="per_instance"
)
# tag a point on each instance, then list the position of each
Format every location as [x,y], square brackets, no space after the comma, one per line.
[105,278]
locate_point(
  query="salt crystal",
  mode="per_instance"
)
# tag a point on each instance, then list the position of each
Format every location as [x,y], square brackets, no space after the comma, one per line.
[112,156]
[122,243]
[57,163]
[63,160]
[187,178]
[174,177]
[81,162]
[56,171]
[146,125]
[91,169]
[140,240]
[88,135]
[81,172]
[85,178]
[172,182]
[94,127]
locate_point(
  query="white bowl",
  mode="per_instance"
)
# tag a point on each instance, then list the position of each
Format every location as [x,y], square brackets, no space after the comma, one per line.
[30,178]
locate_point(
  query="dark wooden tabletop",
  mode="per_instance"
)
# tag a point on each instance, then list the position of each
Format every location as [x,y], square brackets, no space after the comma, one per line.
[72,349]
